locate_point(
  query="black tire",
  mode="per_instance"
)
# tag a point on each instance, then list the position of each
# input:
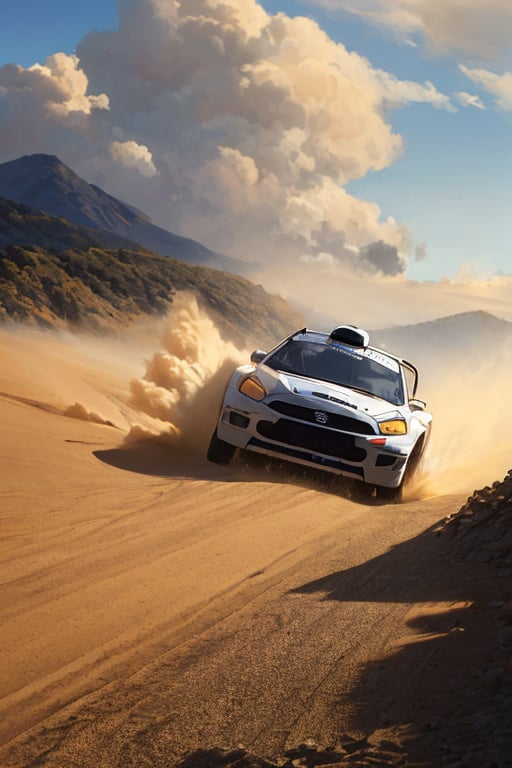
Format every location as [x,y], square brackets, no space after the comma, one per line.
[388,495]
[415,464]
[411,475]
[220,452]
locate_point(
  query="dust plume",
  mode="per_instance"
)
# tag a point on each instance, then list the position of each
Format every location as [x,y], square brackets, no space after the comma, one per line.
[468,394]
[171,396]
[471,443]
[181,391]
[79,411]
[81,376]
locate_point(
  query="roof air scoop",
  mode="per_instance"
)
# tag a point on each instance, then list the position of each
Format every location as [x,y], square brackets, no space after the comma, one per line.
[350,335]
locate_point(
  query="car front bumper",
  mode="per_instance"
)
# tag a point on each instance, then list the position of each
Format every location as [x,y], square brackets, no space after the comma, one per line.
[257,427]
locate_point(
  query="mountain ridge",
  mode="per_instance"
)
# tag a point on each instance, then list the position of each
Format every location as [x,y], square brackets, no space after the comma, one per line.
[43,182]
[460,332]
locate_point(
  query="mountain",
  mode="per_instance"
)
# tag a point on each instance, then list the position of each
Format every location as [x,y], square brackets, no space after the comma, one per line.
[454,336]
[467,354]
[21,225]
[44,183]
[55,274]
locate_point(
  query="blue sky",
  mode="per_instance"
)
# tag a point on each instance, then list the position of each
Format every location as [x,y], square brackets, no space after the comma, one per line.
[452,185]
[33,30]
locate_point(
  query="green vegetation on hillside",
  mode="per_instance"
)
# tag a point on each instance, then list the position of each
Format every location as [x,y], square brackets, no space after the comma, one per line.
[21,225]
[94,288]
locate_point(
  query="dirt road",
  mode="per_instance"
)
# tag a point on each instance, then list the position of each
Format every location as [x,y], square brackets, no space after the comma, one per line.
[156,609]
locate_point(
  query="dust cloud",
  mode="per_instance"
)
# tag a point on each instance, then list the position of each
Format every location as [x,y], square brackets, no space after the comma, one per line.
[162,381]
[180,394]
[78,411]
[77,375]
[470,443]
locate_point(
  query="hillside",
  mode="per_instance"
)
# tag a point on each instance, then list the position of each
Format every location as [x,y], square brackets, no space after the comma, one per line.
[44,183]
[21,225]
[59,276]
[468,336]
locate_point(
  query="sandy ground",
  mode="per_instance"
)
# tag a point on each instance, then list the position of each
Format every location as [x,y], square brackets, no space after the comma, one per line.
[154,605]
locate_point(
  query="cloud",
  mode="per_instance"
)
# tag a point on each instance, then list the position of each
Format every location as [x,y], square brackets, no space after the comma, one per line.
[469,100]
[70,84]
[133,155]
[406,92]
[479,28]
[225,123]
[59,87]
[499,86]
[46,108]
[382,258]
[421,253]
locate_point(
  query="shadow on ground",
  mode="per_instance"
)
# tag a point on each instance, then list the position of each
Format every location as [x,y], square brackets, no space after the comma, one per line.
[441,693]
[152,458]
[441,689]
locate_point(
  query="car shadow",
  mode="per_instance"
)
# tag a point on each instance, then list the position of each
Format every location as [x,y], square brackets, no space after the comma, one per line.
[147,458]
[160,460]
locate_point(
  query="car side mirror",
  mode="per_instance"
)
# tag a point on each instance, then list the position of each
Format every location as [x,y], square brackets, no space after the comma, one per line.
[417,405]
[257,356]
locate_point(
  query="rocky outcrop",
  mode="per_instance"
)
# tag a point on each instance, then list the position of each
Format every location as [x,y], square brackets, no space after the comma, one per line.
[482,533]
[482,528]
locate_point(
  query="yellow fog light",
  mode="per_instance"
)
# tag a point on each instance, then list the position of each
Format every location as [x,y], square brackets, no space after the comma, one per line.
[252,388]
[393,427]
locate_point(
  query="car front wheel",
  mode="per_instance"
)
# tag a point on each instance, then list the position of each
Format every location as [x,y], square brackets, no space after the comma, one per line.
[219,451]
[388,495]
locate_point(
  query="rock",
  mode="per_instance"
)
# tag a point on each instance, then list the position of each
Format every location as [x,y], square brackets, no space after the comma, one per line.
[492,675]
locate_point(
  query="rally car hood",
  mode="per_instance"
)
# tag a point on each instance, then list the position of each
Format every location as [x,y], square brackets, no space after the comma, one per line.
[331,397]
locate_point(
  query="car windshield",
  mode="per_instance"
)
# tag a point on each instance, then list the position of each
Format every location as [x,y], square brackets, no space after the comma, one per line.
[368,370]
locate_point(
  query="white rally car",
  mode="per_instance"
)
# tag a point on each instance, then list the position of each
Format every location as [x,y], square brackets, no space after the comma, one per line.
[331,402]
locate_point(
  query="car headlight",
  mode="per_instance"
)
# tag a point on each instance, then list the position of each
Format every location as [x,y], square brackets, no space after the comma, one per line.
[393,427]
[252,388]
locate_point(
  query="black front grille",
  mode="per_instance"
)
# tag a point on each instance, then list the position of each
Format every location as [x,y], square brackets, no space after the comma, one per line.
[334,420]
[316,439]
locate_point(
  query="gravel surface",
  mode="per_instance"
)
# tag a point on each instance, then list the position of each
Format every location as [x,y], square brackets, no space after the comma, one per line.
[469,722]
[383,644]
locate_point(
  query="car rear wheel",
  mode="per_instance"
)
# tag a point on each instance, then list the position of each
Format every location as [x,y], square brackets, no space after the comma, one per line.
[219,451]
